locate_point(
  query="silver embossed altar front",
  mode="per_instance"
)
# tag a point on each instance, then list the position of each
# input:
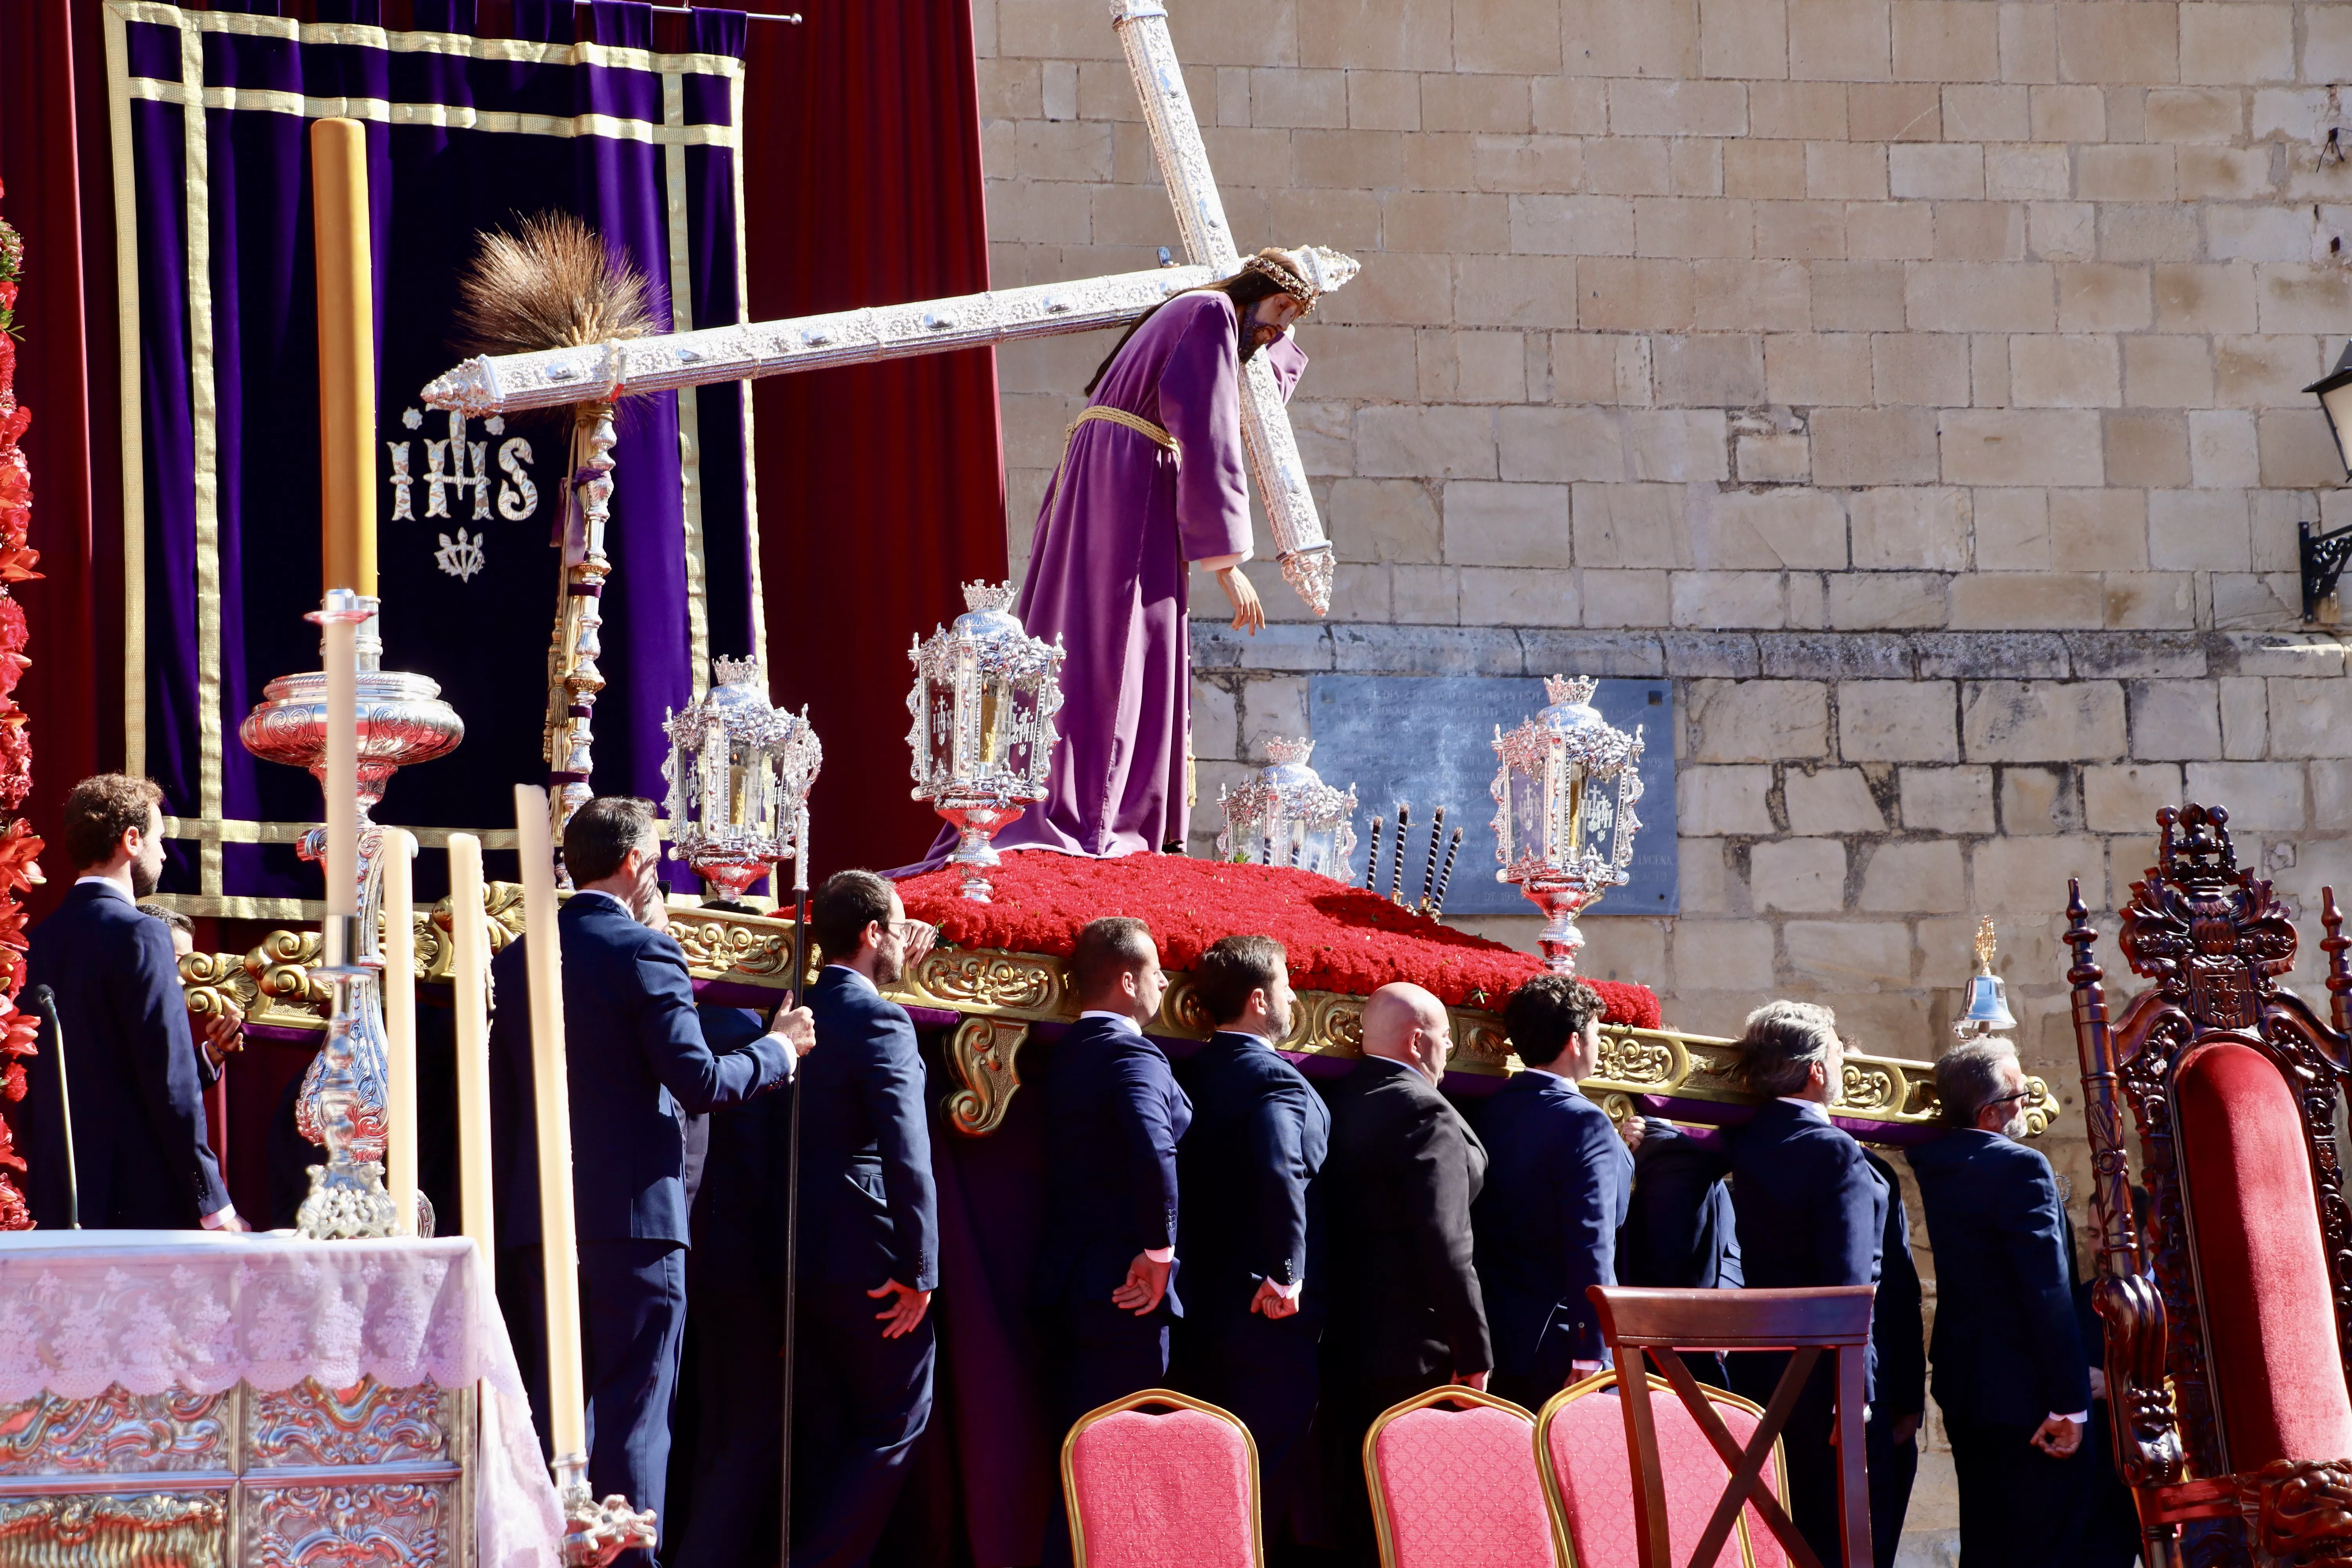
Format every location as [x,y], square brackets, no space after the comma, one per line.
[1561,832]
[190,1399]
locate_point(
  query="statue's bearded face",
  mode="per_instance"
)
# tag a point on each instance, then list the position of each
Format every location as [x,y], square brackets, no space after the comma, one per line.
[1265,320]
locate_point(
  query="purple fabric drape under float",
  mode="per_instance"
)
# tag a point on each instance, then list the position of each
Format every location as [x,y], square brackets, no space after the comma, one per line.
[464,134]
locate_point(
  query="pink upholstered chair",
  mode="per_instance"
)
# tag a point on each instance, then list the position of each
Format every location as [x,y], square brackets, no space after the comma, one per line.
[1580,1449]
[1456,1488]
[1171,1489]
[2229,1323]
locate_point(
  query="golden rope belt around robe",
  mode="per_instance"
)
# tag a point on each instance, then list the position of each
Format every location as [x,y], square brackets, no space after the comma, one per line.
[1135,422]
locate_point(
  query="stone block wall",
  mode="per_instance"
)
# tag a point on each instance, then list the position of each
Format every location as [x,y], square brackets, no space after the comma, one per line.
[1917,381]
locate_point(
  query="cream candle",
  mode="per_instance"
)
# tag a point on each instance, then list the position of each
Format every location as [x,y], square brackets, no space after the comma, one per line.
[399,850]
[470,935]
[567,1414]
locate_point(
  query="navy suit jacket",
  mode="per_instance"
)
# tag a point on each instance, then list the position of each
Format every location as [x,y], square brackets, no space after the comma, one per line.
[725,1030]
[1811,1212]
[1405,1170]
[1679,1232]
[1259,1135]
[869,1206]
[1113,1119]
[637,1067]
[2007,1350]
[140,1152]
[1557,1181]
[1897,1336]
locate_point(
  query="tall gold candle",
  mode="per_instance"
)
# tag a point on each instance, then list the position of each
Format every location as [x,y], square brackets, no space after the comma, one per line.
[339,211]
[567,1414]
[469,933]
[399,850]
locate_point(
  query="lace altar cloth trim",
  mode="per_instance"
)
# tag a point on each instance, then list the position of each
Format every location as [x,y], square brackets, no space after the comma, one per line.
[196,1310]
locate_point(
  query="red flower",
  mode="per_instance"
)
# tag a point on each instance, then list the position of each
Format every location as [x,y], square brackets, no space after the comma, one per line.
[1340,938]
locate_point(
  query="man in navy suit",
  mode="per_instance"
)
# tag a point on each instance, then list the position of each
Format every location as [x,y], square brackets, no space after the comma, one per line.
[1898,1344]
[131,1066]
[1680,1231]
[1248,1165]
[869,1231]
[1113,1116]
[637,1067]
[2009,1373]
[1811,1212]
[1557,1181]
[1406,1312]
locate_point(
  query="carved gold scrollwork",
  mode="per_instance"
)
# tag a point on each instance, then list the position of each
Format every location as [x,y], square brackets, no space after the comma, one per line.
[1638,1059]
[997,981]
[1480,1043]
[982,1052]
[115,1431]
[366,1424]
[183,1530]
[216,984]
[1183,1008]
[2041,1108]
[1869,1086]
[720,944]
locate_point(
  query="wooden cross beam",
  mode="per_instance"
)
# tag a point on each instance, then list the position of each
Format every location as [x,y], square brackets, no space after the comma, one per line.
[591,377]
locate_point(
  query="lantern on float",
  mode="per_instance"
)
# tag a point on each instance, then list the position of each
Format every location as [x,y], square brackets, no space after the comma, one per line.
[1564,822]
[983,702]
[739,774]
[1286,816]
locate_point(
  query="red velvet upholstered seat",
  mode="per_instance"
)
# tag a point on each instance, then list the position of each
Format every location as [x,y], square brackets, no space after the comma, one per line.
[1457,1488]
[2277,1372]
[1177,1489]
[1580,1439]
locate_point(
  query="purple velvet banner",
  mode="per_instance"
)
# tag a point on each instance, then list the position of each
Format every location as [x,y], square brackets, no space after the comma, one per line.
[464,133]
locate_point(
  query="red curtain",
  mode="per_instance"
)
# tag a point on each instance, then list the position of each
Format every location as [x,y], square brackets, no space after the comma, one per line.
[881,487]
[54,163]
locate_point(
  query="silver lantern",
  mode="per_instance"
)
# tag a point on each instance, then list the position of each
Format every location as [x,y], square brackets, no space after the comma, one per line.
[739,774]
[1986,1012]
[984,703]
[1286,816]
[1562,832]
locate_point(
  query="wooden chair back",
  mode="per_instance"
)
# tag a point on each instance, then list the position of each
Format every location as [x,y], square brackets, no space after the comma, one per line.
[1661,1324]
[1581,1451]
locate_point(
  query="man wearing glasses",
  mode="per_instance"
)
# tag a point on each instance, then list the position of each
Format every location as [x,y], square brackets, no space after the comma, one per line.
[2008,1369]
[869,1252]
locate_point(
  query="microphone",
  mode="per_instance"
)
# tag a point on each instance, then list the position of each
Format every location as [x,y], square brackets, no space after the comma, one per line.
[45,1002]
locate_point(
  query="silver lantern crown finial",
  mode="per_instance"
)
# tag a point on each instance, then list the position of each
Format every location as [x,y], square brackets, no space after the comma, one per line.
[983,702]
[739,774]
[1286,816]
[1561,832]
[1985,1013]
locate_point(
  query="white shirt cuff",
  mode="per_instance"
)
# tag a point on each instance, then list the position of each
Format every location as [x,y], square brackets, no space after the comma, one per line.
[791,1058]
[1161,1254]
[1287,1292]
[1219,562]
[219,1218]
[2080,1417]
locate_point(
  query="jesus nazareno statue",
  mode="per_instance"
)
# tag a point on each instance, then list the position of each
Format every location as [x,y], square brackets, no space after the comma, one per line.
[1150,479]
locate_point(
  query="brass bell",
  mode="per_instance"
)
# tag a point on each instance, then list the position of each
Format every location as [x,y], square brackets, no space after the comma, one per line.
[1987,1009]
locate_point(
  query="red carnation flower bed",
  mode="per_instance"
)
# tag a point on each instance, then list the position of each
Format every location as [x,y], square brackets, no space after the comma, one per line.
[1339,939]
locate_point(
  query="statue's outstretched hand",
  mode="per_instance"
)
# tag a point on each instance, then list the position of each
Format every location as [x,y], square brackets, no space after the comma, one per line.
[1249,615]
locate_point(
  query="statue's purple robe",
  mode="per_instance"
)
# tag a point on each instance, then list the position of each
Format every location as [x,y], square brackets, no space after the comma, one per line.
[1107,576]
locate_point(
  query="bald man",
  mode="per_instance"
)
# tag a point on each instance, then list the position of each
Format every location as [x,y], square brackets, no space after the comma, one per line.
[1402,1171]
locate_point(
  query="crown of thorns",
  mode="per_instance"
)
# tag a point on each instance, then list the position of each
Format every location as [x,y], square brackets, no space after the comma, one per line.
[1306,274]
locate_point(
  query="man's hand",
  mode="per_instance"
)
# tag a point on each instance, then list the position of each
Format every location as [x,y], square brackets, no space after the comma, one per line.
[1633,1131]
[2059,1438]
[922,937]
[906,1311]
[1577,1371]
[1903,1428]
[1146,1282]
[797,1029]
[2098,1382]
[223,1035]
[1249,615]
[1272,1302]
[1477,1380]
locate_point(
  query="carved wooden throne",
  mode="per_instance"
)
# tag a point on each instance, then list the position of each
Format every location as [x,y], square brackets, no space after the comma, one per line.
[2227,1342]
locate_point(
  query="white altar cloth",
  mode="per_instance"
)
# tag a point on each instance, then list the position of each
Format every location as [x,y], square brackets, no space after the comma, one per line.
[203,1310]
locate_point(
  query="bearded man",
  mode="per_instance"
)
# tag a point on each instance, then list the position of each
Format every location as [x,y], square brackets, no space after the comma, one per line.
[1150,479]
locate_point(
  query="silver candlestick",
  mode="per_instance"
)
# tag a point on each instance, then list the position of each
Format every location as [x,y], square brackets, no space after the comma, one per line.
[402,721]
[984,703]
[1558,834]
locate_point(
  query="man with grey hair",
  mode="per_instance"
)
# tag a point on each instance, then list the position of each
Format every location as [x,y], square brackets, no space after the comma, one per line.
[2007,1352]
[1810,1213]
